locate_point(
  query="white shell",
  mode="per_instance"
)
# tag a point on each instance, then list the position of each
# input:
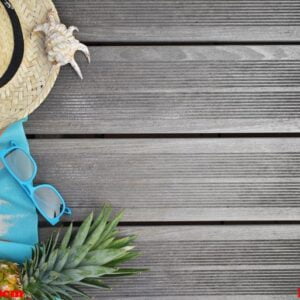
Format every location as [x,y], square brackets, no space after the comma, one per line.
[60,43]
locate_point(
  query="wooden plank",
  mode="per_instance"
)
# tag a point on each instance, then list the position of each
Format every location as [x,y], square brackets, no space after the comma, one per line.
[176,179]
[177,90]
[185,20]
[259,262]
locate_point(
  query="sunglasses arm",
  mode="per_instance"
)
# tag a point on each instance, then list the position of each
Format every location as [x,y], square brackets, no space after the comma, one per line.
[68,211]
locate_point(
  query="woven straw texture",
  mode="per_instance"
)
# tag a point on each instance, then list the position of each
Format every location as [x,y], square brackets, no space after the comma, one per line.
[36,75]
[6,39]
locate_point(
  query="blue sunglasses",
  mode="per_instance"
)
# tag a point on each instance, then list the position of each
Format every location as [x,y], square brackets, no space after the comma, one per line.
[45,197]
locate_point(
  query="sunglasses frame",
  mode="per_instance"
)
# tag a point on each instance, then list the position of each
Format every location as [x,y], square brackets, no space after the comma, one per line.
[28,184]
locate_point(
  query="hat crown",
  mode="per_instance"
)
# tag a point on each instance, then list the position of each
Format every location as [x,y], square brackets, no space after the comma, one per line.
[28,68]
[6,39]
[26,75]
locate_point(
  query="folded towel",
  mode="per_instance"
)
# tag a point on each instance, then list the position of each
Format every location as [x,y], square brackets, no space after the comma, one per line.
[15,252]
[18,216]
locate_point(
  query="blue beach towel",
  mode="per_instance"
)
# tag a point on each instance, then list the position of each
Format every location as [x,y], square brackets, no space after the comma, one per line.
[18,216]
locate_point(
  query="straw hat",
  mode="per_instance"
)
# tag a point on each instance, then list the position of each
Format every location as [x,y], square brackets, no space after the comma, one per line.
[33,46]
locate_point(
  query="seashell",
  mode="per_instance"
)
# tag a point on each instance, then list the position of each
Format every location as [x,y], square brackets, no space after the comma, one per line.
[60,43]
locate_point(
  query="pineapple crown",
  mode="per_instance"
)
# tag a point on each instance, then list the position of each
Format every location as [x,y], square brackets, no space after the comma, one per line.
[95,251]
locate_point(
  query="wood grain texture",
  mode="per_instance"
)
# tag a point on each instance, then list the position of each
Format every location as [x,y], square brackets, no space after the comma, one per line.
[184,20]
[179,89]
[212,262]
[176,179]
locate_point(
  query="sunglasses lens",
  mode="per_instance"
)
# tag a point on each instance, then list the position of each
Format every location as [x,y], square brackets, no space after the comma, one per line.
[49,202]
[20,164]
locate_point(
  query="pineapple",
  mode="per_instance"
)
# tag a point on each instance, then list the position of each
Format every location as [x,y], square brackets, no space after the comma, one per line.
[59,270]
[9,278]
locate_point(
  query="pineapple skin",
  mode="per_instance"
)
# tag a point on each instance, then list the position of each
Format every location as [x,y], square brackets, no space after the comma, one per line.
[10,277]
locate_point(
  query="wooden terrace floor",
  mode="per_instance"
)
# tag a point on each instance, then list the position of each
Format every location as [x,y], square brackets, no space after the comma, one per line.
[189,118]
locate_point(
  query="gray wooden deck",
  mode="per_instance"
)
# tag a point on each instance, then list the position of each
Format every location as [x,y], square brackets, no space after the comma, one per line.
[189,119]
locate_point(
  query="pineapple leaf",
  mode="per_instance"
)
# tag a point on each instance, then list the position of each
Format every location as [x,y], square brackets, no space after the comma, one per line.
[105,244]
[76,291]
[109,231]
[81,273]
[76,256]
[120,243]
[64,254]
[36,257]
[53,244]
[62,293]
[49,291]
[49,243]
[43,255]
[52,259]
[97,231]
[113,224]
[51,276]
[94,237]
[43,296]
[94,282]
[102,218]
[127,272]
[83,231]
[129,256]
[102,257]
[65,242]
[43,269]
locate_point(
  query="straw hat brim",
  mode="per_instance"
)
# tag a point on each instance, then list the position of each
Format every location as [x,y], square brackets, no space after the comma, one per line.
[35,76]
